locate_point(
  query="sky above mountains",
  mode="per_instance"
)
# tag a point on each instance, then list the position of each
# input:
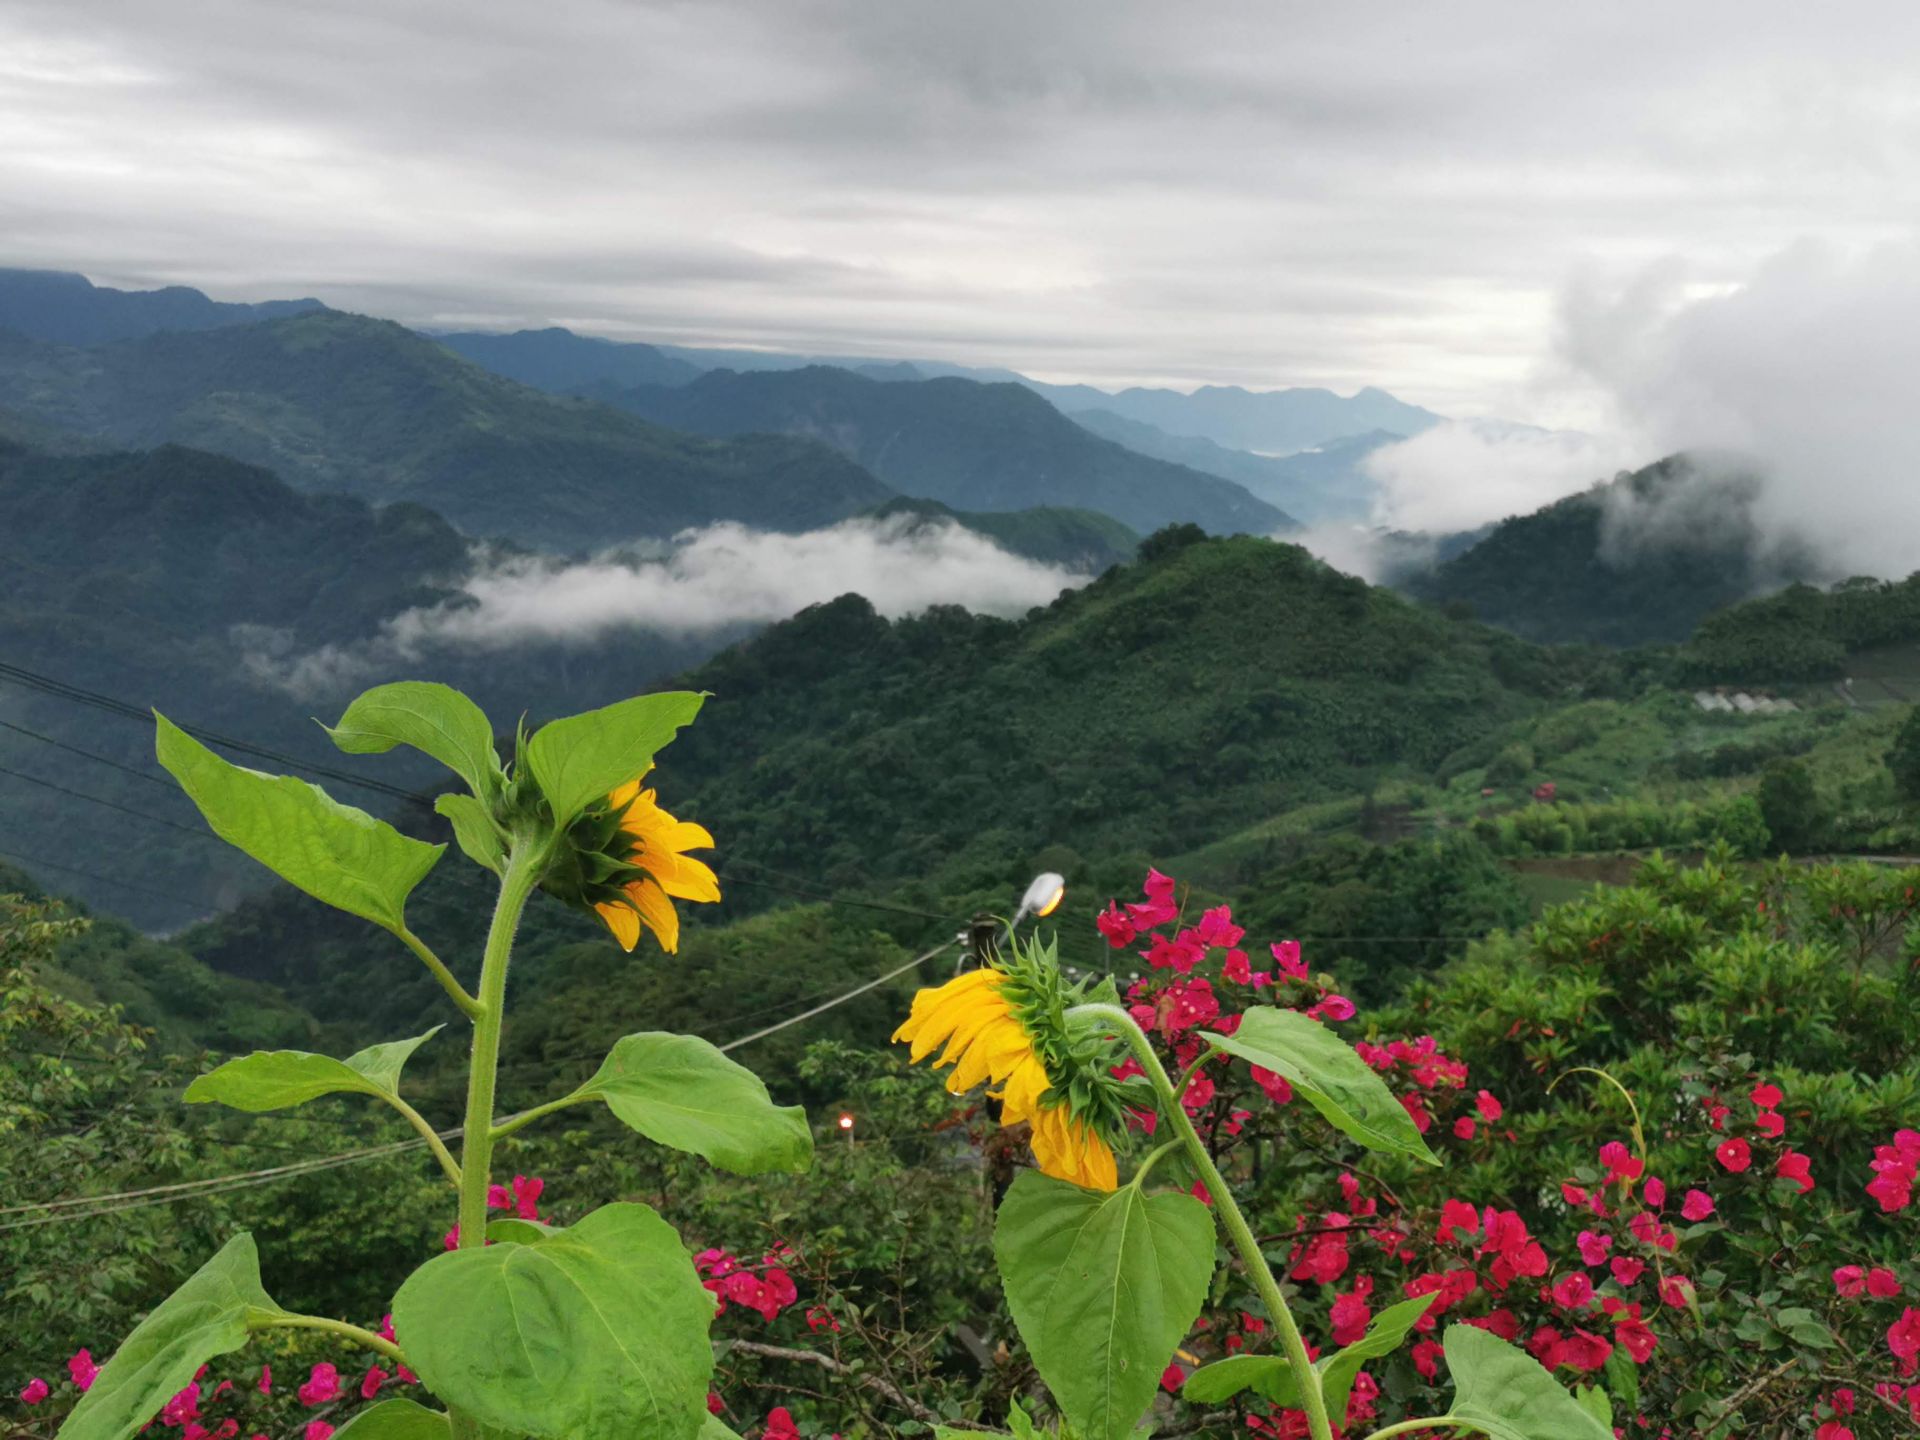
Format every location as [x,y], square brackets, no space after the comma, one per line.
[1460,204]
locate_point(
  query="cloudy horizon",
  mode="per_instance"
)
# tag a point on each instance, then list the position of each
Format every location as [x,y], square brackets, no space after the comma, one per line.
[1265,196]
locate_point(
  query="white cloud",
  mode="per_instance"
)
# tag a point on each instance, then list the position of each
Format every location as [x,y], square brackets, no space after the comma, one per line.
[1803,373]
[1468,473]
[716,581]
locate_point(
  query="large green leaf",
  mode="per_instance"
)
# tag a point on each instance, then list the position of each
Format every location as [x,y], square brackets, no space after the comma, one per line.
[579,760]
[332,851]
[275,1079]
[1329,1074]
[714,1428]
[1102,1287]
[595,1332]
[1504,1392]
[1268,1376]
[205,1317]
[434,719]
[1383,1337]
[681,1091]
[472,828]
[397,1420]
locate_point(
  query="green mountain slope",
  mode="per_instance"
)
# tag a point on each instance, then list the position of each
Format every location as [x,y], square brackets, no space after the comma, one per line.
[69,309]
[340,402]
[1640,560]
[204,587]
[1271,422]
[974,447]
[1315,486]
[564,363]
[1082,540]
[1209,684]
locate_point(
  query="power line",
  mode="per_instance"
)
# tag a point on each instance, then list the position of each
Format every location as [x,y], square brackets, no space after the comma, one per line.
[60,689]
[76,1208]
[110,804]
[137,774]
[114,884]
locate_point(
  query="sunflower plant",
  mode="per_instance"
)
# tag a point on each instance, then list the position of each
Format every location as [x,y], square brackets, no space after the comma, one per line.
[1105,1279]
[593,1331]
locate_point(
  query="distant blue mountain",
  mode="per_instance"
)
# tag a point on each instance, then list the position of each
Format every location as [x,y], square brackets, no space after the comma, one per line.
[564,363]
[68,309]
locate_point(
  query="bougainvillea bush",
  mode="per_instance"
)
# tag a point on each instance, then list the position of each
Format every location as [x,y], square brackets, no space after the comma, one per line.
[1680,1124]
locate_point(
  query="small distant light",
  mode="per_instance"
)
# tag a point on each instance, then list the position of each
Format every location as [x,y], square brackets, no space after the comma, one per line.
[846,1121]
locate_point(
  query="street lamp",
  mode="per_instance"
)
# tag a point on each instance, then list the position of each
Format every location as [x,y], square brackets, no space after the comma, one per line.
[1043,897]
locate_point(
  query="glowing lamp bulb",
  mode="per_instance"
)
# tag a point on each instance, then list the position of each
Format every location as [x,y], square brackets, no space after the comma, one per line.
[1044,895]
[846,1121]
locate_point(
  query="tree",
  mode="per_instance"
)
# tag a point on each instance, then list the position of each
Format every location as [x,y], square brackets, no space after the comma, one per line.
[1903,759]
[1789,804]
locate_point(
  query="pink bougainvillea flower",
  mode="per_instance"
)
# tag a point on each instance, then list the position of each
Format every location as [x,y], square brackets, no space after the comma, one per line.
[1117,927]
[319,1430]
[1676,1291]
[715,1405]
[1654,1192]
[1621,1166]
[1332,1007]
[1631,1334]
[1850,1281]
[1627,1270]
[323,1385]
[1833,1430]
[1593,1248]
[1734,1154]
[1770,1123]
[1489,1106]
[1276,1086]
[1286,954]
[82,1369]
[498,1198]
[526,1196]
[1796,1167]
[371,1382]
[780,1425]
[1573,1292]
[1697,1205]
[1426,1358]
[1903,1336]
[1883,1283]
[265,1387]
[1766,1097]
[1172,1378]
[184,1406]
[35,1391]
[1463,1128]
[1456,1215]
[820,1318]
[1351,1313]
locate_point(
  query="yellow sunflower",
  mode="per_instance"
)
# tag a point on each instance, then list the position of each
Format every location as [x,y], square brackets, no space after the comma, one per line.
[985,1041]
[659,846]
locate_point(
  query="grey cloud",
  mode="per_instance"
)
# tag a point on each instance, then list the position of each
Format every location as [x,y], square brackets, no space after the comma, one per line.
[1116,192]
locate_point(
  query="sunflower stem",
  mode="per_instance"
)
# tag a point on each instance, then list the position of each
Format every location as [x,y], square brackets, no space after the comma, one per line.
[1312,1399]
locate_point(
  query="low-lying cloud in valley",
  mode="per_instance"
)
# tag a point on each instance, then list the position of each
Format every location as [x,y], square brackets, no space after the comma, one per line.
[718,581]
[1801,377]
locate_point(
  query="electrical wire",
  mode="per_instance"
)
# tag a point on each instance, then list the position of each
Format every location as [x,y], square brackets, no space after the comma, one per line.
[111,805]
[147,775]
[60,689]
[88,1207]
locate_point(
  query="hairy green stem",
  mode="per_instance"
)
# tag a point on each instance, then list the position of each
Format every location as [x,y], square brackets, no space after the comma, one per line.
[1312,1399]
[1154,1157]
[1432,1422]
[527,1117]
[469,1006]
[271,1320]
[516,886]
[428,1134]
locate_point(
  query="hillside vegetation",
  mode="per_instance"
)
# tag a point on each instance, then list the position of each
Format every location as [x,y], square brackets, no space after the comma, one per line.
[340,402]
[968,445]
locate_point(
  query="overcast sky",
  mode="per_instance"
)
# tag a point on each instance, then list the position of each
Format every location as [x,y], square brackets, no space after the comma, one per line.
[1394,194]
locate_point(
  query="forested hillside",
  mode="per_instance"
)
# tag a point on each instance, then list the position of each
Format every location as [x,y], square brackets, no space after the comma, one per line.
[1639,560]
[337,402]
[968,445]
